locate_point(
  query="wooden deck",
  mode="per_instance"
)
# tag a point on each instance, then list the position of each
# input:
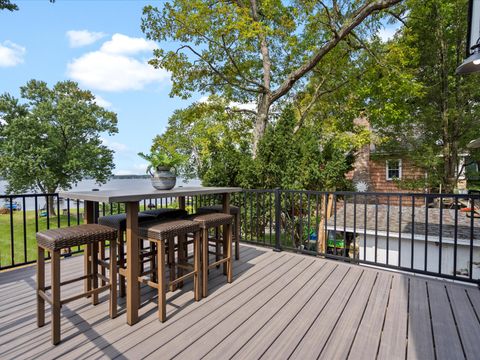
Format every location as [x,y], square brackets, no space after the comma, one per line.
[281,305]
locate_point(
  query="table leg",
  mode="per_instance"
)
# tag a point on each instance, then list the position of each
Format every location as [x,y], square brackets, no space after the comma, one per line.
[89,207]
[226,230]
[133,287]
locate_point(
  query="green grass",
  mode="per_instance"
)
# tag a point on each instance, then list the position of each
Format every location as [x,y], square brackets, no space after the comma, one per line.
[19,248]
[21,237]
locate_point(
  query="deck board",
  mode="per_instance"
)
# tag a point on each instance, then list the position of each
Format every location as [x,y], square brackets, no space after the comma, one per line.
[393,342]
[420,338]
[447,342]
[280,305]
[368,334]
[467,322]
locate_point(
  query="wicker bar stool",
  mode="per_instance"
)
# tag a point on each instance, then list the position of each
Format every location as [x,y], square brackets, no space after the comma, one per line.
[54,240]
[119,223]
[213,221]
[235,211]
[162,234]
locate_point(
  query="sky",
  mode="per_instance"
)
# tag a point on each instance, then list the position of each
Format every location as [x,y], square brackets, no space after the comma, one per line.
[100,45]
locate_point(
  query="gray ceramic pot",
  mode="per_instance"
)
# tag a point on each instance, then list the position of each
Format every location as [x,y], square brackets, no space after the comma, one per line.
[163,178]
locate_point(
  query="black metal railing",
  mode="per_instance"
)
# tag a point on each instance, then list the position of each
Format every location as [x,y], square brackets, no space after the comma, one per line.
[432,234]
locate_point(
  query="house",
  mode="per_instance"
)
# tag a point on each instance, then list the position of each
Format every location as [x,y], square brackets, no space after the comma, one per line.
[377,170]
[396,236]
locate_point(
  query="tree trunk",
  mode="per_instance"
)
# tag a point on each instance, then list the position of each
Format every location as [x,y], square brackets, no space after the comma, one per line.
[261,121]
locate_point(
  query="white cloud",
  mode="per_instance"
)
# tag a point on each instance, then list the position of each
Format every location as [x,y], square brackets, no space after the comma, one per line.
[11,54]
[79,38]
[246,106]
[115,68]
[102,102]
[123,44]
[115,146]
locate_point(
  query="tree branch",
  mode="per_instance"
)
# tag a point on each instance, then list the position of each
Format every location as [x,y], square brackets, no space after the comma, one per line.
[216,71]
[346,29]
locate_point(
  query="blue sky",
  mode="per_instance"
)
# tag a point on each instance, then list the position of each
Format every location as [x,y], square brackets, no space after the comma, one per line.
[100,45]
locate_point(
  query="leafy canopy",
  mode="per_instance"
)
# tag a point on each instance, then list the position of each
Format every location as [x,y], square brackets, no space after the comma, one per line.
[416,102]
[215,141]
[50,138]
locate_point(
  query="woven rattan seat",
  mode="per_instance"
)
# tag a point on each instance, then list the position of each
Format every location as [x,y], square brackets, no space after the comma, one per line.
[165,229]
[162,234]
[234,210]
[57,239]
[212,219]
[207,222]
[54,240]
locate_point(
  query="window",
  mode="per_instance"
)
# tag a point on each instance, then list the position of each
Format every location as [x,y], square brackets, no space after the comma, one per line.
[394,169]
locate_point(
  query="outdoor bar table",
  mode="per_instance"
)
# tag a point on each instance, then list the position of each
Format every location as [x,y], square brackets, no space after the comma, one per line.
[131,196]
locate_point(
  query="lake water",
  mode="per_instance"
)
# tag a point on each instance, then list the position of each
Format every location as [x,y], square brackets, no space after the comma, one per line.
[90,184]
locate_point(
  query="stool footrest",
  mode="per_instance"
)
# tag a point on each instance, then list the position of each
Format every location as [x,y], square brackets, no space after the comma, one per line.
[212,265]
[70,281]
[86,294]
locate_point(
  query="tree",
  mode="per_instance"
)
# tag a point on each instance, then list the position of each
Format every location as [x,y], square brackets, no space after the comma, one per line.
[8,5]
[51,139]
[415,100]
[254,51]
[216,140]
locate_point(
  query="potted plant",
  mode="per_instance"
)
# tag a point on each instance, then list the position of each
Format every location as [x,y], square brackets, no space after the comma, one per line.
[163,160]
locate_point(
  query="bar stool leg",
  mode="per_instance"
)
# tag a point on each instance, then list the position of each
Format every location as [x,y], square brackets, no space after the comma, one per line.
[121,262]
[237,236]
[228,249]
[217,246]
[153,263]
[94,261]
[196,266]
[181,257]
[162,301]
[227,231]
[113,279]
[40,286]
[205,262]
[171,262]
[55,264]
[87,269]
[101,249]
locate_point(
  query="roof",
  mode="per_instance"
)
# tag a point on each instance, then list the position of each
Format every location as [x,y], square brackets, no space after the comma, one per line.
[390,218]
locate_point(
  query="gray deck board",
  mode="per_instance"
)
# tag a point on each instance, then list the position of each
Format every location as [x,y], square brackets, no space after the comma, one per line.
[343,334]
[257,342]
[393,342]
[280,305]
[447,342]
[368,334]
[286,341]
[420,338]
[317,335]
[467,322]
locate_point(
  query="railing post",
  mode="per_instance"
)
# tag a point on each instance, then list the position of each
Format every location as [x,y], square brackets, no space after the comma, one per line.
[278,205]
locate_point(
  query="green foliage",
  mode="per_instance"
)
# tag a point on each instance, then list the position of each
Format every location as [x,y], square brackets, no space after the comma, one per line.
[215,140]
[163,156]
[51,138]
[307,159]
[414,99]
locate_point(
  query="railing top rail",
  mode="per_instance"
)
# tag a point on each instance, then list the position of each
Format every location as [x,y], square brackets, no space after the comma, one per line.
[355,193]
